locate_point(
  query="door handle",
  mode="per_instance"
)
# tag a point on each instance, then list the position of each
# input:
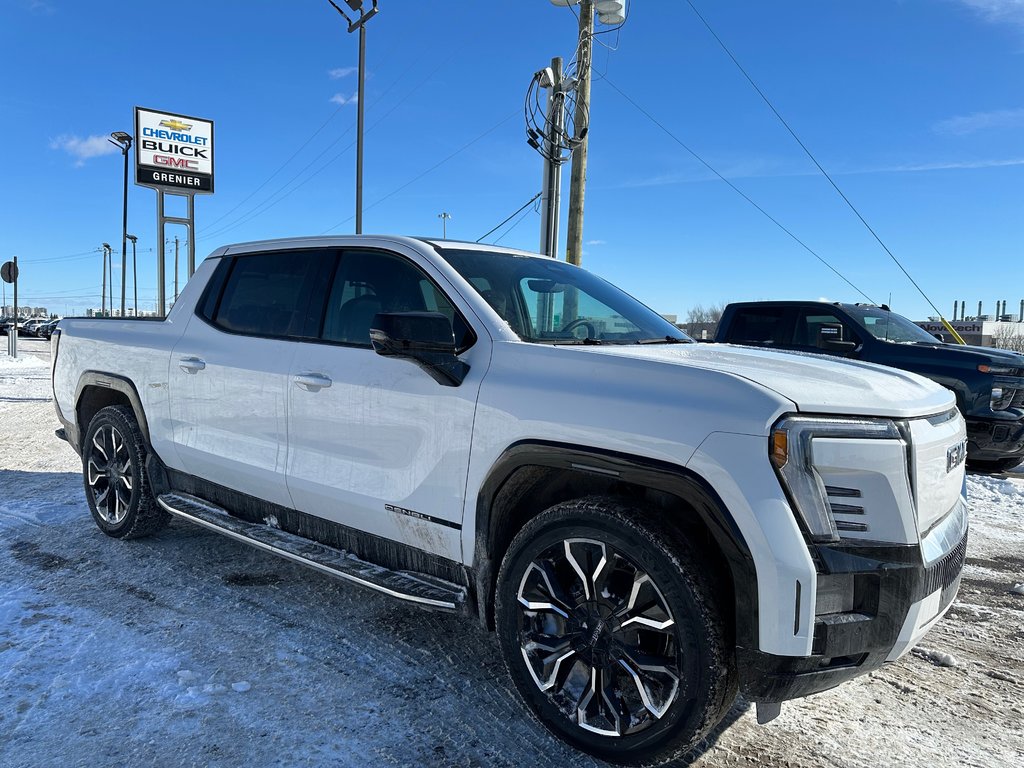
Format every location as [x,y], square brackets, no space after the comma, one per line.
[312,382]
[191,364]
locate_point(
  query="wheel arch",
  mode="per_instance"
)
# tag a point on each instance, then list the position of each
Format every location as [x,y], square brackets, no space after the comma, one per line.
[97,390]
[531,476]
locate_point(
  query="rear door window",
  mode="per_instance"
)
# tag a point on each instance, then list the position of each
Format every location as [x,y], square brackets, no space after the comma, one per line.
[760,326]
[272,294]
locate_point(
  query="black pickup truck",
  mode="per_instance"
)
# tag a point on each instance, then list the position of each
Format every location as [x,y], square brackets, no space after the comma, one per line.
[988,383]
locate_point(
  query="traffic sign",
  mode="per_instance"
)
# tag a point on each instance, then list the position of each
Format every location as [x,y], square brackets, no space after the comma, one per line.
[9,272]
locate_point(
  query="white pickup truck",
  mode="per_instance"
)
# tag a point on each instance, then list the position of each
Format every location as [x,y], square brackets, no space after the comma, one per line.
[648,523]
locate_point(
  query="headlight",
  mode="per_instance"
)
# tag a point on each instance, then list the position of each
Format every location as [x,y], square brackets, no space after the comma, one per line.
[1002,397]
[790,449]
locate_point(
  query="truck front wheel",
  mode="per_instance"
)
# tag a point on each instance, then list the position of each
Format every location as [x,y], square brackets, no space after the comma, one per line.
[116,486]
[611,633]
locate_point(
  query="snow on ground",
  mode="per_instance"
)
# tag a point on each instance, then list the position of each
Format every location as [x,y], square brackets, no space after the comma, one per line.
[188,649]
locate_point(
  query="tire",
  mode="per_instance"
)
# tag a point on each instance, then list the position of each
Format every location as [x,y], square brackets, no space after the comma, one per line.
[645,615]
[994,465]
[113,470]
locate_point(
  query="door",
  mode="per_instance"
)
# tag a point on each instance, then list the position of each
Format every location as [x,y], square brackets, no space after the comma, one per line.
[375,443]
[229,373]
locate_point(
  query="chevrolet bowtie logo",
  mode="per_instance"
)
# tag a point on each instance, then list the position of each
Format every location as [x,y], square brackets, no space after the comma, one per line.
[176,125]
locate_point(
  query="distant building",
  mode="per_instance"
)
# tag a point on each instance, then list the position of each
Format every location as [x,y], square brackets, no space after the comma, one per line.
[128,312]
[980,332]
[8,310]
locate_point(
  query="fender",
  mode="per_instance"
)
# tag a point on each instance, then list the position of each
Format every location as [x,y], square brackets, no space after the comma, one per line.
[613,468]
[114,383]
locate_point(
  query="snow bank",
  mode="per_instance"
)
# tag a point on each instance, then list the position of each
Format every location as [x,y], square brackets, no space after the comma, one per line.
[10,364]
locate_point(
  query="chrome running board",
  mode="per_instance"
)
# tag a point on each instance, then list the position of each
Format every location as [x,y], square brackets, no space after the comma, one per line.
[420,589]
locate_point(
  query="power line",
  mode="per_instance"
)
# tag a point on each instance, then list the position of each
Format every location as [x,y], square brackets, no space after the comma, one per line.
[269,202]
[69,257]
[736,189]
[518,221]
[279,169]
[810,154]
[509,218]
[432,168]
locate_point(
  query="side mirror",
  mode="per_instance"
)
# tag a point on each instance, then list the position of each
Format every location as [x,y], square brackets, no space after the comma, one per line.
[426,338]
[830,338]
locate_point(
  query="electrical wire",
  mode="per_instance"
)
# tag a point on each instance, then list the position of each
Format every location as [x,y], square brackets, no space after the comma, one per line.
[509,218]
[432,168]
[69,257]
[283,192]
[519,221]
[736,189]
[809,154]
[280,168]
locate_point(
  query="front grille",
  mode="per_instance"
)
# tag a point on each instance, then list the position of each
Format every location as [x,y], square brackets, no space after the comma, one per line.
[942,573]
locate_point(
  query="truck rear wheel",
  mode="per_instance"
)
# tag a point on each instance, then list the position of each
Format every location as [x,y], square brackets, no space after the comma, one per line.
[611,633]
[113,468]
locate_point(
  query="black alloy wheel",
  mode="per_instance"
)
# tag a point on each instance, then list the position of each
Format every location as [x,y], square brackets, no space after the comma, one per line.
[598,637]
[108,474]
[113,469]
[610,632]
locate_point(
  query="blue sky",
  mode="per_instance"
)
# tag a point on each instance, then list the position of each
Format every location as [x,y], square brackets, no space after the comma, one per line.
[915,106]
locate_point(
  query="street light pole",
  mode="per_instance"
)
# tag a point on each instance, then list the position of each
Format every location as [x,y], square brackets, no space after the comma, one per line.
[444,216]
[357,7]
[360,106]
[103,287]
[135,274]
[124,141]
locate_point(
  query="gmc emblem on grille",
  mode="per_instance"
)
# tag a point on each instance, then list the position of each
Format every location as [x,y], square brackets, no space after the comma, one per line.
[955,455]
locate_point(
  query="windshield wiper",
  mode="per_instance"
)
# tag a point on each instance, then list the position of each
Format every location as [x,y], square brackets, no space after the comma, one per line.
[664,340]
[574,342]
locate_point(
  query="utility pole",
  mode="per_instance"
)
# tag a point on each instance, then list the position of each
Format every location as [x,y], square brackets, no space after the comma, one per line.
[444,216]
[550,200]
[578,174]
[103,288]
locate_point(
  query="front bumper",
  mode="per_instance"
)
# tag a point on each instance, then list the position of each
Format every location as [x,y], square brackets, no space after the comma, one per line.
[893,595]
[992,439]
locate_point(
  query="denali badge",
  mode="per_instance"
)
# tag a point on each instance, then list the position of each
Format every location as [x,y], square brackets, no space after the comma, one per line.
[955,455]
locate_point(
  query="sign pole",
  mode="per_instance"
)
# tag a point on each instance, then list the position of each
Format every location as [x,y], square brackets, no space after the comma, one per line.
[14,331]
[191,235]
[161,299]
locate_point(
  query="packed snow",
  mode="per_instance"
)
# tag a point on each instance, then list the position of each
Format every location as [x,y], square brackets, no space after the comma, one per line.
[188,649]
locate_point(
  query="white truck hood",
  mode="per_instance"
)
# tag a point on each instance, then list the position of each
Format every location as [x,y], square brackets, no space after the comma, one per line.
[815,383]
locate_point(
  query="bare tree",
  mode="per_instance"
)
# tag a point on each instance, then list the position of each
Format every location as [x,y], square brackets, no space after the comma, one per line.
[1008,337]
[702,322]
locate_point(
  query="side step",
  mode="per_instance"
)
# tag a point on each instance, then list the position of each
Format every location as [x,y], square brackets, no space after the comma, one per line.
[423,590]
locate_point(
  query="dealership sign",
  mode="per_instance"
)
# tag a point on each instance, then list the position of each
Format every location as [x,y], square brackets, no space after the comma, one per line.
[173,152]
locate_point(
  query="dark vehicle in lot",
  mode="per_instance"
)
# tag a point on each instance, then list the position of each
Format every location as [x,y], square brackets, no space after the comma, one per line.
[45,330]
[988,383]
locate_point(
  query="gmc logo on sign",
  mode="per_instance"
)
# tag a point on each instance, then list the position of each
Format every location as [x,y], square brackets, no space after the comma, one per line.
[176,162]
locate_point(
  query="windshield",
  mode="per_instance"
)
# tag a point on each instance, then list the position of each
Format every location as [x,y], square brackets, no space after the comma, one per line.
[550,302]
[888,326]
